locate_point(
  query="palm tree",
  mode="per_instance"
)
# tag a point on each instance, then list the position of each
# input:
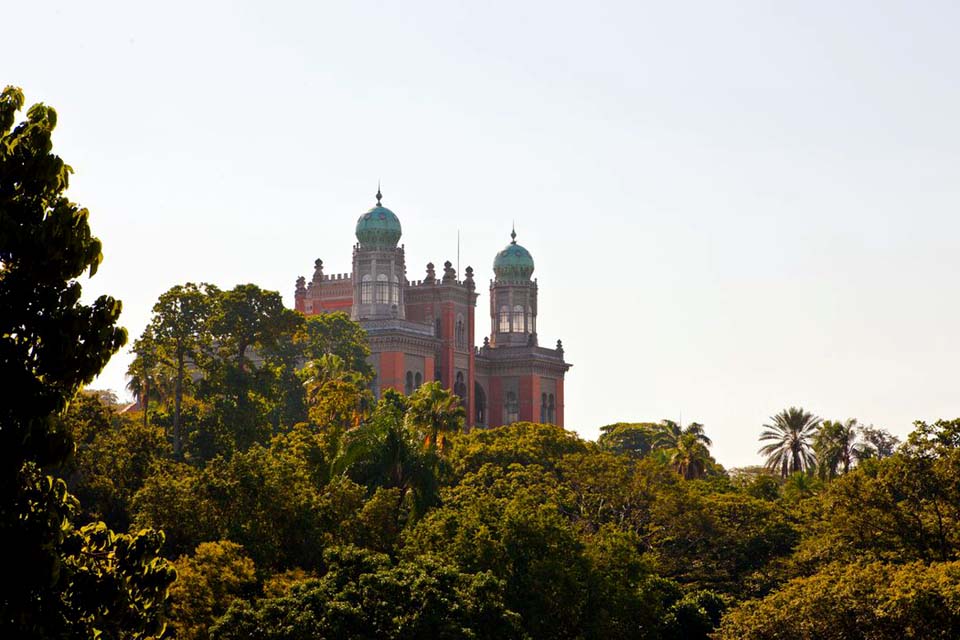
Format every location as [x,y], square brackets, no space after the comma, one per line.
[386,452]
[435,412]
[837,448]
[790,433]
[690,456]
[329,368]
[670,433]
[144,371]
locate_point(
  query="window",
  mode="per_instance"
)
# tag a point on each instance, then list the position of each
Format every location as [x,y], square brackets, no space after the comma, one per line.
[461,333]
[504,319]
[409,386]
[511,408]
[460,388]
[544,416]
[551,410]
[480,404]
[395,291]
[383,289]
[417,380]
[530,326]
[366,289]
[518,319]
[437,331]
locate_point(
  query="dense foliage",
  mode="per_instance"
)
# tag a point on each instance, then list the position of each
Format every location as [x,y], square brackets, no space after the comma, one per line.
[60,578]
[320,512]
[295,505]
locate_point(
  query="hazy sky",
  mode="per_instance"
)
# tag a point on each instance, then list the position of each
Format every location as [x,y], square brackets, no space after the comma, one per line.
[733,207]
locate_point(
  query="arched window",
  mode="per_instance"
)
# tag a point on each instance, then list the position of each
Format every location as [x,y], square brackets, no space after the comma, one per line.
[461,333]
[417,380]
[383,289]
[504,319]
[479,404]
[518,319]
[366,289]
[460,388]
[511,408]
[551,410]
[395,291]
[409,386]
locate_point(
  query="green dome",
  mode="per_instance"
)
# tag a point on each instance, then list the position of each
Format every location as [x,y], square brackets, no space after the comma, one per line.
[514,262]
[378,228]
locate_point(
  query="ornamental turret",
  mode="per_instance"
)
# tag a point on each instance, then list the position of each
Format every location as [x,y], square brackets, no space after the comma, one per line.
[379,270]
[513,297]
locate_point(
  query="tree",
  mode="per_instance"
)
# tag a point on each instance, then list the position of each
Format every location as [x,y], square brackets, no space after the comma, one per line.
[690,457]
[669,434]
[837,448]
[365,595]
[252,334]
[520,442]
[880,442]
[859,600]
[434,413]
[336,334]
[207,583]
[634,439]
[386,452]
[248,316]
[144,371]
[114,455]
[337,397]
[790,433]
[59,580]
[179,320]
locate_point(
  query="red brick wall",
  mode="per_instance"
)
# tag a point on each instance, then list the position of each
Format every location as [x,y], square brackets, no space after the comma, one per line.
[342,304]
[391,371]
[428,369]
[495,402]
[447,322]
[530,398]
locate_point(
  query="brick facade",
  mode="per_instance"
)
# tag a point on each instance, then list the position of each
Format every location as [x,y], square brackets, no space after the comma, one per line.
[424,330]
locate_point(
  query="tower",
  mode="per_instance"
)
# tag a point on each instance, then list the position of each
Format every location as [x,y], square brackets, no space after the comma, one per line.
[424,330]
[379,270]
[513,297]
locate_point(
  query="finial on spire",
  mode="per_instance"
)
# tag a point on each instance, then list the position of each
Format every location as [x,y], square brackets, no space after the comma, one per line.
[379,195]
[513,233]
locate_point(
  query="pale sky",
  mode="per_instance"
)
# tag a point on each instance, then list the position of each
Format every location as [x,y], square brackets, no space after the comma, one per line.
[733,207]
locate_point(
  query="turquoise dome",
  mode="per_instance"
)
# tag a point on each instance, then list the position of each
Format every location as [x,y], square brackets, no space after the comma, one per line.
[514,262]
[378,228]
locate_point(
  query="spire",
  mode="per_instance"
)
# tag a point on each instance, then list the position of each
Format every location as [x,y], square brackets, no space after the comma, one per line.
[513,233]
[379,195]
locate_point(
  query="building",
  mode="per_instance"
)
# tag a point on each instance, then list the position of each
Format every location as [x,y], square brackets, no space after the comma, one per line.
[422,330]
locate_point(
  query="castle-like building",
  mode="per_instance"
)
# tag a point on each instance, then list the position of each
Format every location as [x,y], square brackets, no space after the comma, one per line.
[423,330]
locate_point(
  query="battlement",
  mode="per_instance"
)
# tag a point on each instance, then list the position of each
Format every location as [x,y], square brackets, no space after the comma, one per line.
[337,276]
